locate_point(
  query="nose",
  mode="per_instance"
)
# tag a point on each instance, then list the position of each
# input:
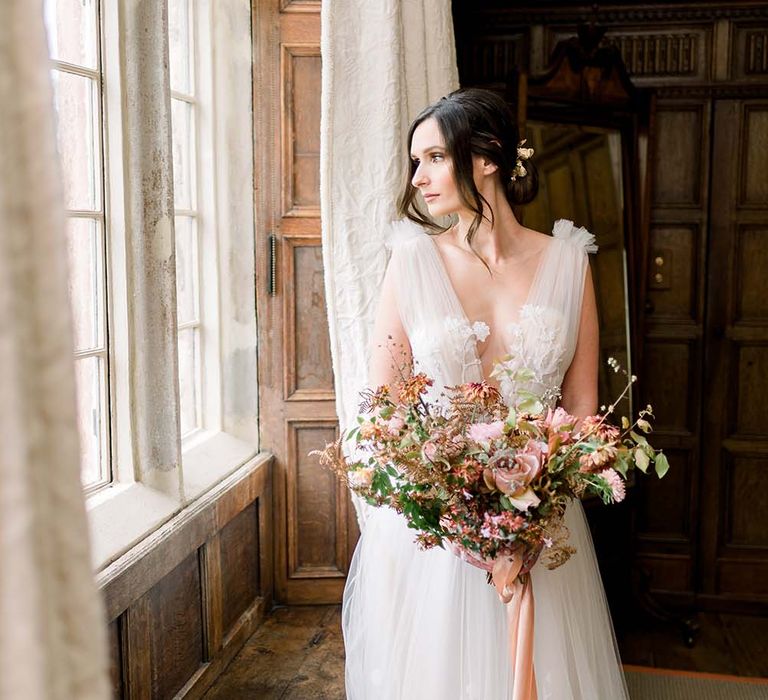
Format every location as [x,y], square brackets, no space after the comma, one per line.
[419,178]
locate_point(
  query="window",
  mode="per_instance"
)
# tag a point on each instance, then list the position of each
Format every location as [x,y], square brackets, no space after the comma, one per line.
[156,440]
[184,117]
[74,43]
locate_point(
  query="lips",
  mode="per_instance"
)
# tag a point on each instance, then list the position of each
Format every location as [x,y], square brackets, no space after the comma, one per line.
[430,197]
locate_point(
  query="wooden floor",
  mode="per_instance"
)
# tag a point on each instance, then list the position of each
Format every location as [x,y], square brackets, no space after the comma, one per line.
[298,653]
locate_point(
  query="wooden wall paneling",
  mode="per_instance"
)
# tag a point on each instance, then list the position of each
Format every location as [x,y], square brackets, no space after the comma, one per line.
[176,628]
[168,599]
[672,358]
[239,552]
[735,446]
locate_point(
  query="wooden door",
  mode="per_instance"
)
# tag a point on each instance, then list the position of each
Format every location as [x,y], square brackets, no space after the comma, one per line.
[734,535]
[315,531]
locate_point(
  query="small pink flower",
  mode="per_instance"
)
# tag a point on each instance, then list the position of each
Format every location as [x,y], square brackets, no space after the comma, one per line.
[429,450]
[560,420]
[395,424]
[485,432]
[615,482]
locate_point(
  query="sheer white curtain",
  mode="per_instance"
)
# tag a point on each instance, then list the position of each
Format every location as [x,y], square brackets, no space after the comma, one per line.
[382,63]
[52,627]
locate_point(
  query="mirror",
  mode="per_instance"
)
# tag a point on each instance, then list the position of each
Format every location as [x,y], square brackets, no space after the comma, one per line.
[589,126]
[581,178]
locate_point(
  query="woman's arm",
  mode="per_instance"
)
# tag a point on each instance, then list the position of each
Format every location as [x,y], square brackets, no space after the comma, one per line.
[390,351]
[579,390]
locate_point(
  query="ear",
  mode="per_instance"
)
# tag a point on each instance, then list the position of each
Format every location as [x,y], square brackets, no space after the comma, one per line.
[489,167]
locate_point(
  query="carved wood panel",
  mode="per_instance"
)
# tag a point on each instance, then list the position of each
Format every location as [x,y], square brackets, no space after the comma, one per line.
[750,51]
[672,350]
[307,359]
[735,445]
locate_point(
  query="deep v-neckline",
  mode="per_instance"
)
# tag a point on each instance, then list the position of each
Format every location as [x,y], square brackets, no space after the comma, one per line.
[526,301]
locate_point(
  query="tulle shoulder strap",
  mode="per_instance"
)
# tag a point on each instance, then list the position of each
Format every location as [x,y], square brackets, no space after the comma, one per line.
[402,232]
[565,230]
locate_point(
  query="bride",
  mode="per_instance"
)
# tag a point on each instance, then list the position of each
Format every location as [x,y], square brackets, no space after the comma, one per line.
[423,625]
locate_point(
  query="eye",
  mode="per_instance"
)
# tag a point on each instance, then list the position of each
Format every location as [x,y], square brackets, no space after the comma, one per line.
[436,157]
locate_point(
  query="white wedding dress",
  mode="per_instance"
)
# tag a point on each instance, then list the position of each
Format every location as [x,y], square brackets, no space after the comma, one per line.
[425,625]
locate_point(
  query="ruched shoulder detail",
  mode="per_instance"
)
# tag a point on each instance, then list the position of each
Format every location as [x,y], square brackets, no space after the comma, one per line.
[403,231]
[580,237]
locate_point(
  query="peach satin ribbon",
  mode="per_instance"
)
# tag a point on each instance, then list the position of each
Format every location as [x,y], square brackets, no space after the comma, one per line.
[517,595]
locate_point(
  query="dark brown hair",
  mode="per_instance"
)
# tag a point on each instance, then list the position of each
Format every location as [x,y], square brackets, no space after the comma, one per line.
[472,122]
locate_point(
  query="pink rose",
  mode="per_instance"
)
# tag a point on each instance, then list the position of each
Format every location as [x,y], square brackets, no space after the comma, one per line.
[513,473]
[560,419]
[485,432]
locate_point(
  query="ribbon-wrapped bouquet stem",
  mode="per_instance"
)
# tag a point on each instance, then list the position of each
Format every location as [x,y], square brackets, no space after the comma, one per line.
[490,481]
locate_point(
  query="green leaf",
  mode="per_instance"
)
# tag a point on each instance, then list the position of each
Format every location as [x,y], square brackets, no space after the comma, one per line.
[644,425]
[621,465]
[624,422]
[530,405]
[661,464]
[641,459]
[639,439]
[387,412]
[524,375]
[506,503]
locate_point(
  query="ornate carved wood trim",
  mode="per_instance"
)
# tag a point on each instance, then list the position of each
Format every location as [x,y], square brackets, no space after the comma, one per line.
[492,18]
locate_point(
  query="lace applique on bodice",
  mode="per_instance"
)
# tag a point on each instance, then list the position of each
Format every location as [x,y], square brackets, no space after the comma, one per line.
[536,342]
[542,340]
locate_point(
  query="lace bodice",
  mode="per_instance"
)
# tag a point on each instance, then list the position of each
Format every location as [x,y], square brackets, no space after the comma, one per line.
[539,344]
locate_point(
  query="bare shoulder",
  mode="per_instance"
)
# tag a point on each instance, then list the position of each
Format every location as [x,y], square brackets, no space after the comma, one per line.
[536,241]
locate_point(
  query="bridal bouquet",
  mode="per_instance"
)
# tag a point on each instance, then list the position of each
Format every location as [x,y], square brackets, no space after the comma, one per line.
[489,480]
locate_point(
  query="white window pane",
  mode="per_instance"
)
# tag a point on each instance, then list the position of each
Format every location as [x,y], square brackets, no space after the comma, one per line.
[186,269]
[179,43]
[189,388]
[77,117]
[72,36]
[183,154]
[86,282]
[92,418]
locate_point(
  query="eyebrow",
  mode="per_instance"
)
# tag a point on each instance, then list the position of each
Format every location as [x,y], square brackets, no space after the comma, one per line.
[430,148]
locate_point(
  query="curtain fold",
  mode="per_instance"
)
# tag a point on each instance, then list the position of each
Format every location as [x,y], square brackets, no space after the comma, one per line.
[383,62]
[52,626]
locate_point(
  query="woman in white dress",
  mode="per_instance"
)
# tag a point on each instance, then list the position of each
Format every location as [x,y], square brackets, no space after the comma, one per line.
[423,625]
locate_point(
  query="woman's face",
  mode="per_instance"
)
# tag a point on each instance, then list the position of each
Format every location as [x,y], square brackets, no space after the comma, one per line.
[433,176]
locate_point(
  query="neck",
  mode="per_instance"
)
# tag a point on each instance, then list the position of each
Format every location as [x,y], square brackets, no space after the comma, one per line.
[498,243]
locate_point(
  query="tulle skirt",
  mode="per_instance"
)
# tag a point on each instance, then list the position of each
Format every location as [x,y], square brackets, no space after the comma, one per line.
[423,625]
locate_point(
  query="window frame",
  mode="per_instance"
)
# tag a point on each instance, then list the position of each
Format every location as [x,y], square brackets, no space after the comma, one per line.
[101,215]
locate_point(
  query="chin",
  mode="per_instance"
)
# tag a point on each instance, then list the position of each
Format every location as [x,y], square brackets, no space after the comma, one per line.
[439,208]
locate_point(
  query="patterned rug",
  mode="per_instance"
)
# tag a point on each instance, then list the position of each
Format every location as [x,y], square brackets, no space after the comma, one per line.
[662,684]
